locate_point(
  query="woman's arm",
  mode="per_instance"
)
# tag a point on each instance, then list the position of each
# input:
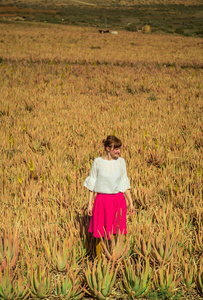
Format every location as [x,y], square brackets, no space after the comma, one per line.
[128,196]
[89,209]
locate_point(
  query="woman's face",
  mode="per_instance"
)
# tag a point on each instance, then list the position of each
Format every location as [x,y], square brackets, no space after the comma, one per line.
[114,152]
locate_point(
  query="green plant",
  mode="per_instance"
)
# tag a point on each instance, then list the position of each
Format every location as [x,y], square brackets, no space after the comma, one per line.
[6,286]
[137,278]
[164,246]
[59,252]
[199,239]
[40,281]
[68,288]
[199,277]
[78,252]
[141,243]
[101,278]
[11,288]
[152,97]
[21,290]
[9,248]
[164,295]
[62,254]
[190,271]
[166,282]
[116,247]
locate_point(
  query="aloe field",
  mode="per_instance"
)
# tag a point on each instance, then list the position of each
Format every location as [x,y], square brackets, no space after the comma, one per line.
[63,90]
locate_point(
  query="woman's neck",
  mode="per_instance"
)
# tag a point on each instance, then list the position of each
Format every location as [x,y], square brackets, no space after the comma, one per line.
[107,156]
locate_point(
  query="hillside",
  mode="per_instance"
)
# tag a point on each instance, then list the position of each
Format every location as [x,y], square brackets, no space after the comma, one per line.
[105,3]
[170,17]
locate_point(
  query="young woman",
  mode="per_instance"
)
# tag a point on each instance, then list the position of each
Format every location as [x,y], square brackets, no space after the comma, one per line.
[108,178]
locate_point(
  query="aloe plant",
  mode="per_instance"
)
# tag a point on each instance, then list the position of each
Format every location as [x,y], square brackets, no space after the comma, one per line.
[142,242]
[9,248]
[21,289]
[79,250]
[199,277]
[10,288]
[6,286]
[68,288]
[59,252]
[155,158]
[40,282]
[199,239]
[117,248]
[165,281]
[189,274]
[137,279]
[142,197]
[100,278]
[163,251]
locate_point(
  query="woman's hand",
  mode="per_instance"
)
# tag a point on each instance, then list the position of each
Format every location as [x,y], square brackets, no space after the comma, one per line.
[89,210]
[132,209]
[128,196]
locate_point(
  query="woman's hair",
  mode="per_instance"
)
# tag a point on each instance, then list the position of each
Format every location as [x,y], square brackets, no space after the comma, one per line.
[110,141]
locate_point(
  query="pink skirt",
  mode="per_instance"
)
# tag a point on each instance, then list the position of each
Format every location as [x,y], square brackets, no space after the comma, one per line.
[108,215]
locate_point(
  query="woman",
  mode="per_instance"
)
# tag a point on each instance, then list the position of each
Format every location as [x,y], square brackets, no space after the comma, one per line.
[108,178]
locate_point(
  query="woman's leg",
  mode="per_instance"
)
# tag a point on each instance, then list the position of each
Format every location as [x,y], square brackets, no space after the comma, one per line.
[98,249]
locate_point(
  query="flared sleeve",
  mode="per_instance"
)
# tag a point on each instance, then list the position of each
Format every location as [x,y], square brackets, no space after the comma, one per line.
[125,182]
[90,181]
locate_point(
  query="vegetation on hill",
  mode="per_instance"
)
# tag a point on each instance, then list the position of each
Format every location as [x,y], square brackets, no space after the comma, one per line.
[162,16]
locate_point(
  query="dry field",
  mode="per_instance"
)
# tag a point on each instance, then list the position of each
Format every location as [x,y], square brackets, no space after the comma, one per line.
[64,89]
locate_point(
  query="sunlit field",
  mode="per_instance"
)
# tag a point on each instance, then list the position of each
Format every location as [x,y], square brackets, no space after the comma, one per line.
[63,90]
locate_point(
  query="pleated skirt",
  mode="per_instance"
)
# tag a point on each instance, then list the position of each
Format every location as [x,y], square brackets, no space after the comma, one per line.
[108,215]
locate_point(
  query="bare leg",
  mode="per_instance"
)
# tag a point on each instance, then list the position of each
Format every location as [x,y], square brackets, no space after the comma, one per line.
[98,249]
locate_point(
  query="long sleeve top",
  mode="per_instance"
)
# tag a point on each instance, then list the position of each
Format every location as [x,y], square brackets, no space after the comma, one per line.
[108,176]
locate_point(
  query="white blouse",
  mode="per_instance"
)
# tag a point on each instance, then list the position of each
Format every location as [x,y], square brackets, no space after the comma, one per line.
[108,176]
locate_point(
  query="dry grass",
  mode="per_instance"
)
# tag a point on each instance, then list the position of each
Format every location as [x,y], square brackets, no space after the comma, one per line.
[63,89]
